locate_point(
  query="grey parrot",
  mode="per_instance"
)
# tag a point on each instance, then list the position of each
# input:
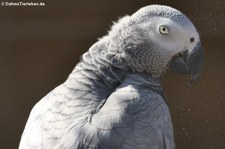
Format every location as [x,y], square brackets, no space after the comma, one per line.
[113,99]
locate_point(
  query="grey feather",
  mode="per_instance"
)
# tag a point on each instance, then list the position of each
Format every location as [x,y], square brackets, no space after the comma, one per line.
[113,98]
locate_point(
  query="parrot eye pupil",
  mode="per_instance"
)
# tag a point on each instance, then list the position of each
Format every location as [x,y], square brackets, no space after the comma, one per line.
[163,30]
[192,39]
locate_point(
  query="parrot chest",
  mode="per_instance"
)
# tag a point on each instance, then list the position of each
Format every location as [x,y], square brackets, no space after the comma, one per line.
[135,115]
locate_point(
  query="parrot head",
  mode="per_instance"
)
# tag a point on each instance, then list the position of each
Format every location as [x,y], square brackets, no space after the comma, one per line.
[158,37]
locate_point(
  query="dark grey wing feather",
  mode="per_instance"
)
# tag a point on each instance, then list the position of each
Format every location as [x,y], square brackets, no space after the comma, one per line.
[96,108]
[70,104]
[131,118]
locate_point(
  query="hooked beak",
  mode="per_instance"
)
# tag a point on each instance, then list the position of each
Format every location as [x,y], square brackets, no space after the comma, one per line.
[189,62]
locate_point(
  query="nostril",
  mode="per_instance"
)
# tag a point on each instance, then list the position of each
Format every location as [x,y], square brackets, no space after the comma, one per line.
[192,39]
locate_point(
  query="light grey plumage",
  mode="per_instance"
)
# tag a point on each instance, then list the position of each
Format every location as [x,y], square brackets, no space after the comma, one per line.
[113,98]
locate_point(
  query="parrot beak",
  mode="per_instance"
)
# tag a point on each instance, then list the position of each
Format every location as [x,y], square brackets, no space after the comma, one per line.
[189,62]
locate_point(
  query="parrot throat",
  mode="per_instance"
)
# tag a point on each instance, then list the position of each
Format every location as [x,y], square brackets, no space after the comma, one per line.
[144,79]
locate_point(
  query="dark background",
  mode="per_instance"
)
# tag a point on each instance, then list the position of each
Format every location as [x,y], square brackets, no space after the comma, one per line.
[39,46]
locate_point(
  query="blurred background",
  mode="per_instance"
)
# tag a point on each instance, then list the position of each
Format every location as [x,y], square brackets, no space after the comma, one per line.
[39,47]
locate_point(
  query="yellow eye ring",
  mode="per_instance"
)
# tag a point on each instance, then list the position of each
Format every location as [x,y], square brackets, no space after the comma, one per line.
[163,30]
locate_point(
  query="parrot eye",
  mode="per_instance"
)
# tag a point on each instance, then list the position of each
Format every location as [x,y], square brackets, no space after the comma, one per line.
[163,30]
